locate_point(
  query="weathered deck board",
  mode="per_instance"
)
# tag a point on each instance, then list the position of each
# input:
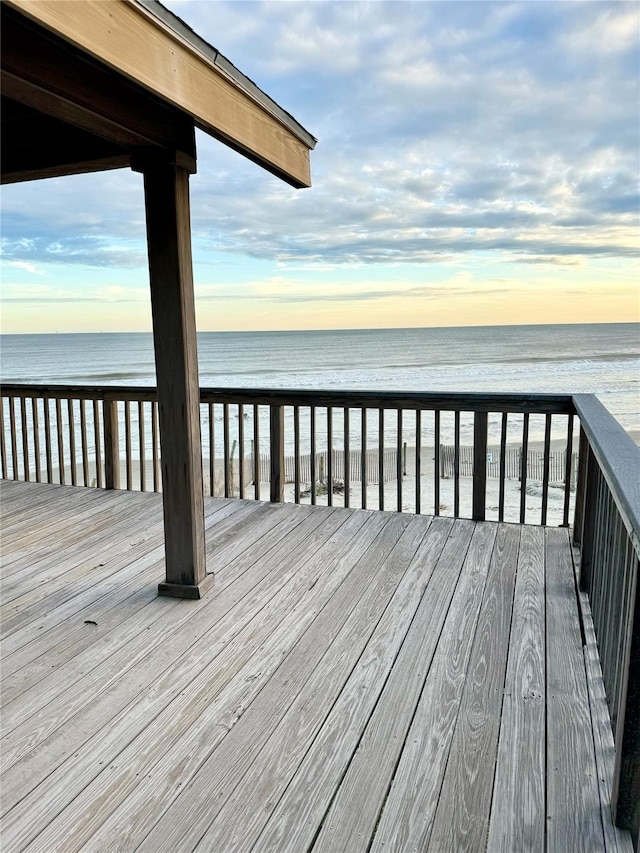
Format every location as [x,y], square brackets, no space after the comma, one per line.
[462,817]
[517,820]
[406,820]
[341,686]
[348,740]
[573,818]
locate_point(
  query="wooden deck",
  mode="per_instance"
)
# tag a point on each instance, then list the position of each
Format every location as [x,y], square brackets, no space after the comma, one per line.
[354,681]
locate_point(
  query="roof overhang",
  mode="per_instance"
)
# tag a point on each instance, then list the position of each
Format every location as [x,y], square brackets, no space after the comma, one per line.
[96,87]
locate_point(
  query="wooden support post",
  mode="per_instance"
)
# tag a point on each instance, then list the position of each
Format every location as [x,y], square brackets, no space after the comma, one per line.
[276,452]
[480,426]
[111,445]
[174,333]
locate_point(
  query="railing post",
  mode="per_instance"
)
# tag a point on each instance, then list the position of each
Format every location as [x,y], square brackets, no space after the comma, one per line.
[588,519]
[111,444]
[578,518]
[480,429]
[276,452]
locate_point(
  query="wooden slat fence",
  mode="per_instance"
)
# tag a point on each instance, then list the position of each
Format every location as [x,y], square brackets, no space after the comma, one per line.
[389,466]
[557,463]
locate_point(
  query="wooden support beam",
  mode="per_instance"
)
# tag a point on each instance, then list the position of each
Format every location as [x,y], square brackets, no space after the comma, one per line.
[171,69]
[174,330]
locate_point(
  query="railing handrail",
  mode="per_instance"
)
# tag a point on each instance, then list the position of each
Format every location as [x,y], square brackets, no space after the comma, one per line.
[445,401]
[618,458]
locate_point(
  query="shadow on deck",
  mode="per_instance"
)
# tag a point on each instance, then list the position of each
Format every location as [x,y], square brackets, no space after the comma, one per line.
[354,681]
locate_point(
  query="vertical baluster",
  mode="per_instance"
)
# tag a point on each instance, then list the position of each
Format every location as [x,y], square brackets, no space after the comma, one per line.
[329,456]
[276,452]
[36,437]
[225,442]
[155,445]
[313,454]
[418,461]
[347,459]
[127,443]
[141,443]
[212,450]
[25,437]
[111,444]
[363,459]
[380,458]
[47,439]
[296,454]
[14,441]
[480,431]
[3,442]
[72,442]
[456,464]
[96,443]
[241,450]
[256,451]
[61,466]
[83,442]
[436,462]
[399,471]
[568,471]
[503,460]
[545,469]
[523,467]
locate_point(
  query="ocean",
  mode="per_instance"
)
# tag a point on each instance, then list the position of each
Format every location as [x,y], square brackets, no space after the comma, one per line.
[603,359]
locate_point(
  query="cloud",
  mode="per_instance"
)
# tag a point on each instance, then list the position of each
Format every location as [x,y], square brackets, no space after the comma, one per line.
[445,130]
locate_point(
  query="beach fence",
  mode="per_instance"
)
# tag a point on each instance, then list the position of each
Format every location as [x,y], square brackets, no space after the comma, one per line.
[513,464]
[308,472]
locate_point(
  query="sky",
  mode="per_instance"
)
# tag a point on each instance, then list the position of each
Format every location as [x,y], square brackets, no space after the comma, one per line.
[477,164]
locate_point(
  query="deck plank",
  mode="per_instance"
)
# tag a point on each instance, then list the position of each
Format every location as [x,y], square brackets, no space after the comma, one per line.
[573,802]
[161,671]
[462,816]
[59,639]
[341,680]
[406,820]
[517,820]
[193,684]
[336,637]
[242,818]
[352,817]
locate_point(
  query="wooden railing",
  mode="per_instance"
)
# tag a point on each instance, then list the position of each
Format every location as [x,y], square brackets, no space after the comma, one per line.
[378,451]
[607,530]
[108,436]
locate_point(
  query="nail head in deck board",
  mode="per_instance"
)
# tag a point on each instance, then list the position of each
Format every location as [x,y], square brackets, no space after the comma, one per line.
[517,819]
[462,817]
[353,813]
[571,770]
[406,820]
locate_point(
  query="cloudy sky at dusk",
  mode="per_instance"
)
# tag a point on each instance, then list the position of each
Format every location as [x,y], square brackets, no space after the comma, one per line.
[477,163]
